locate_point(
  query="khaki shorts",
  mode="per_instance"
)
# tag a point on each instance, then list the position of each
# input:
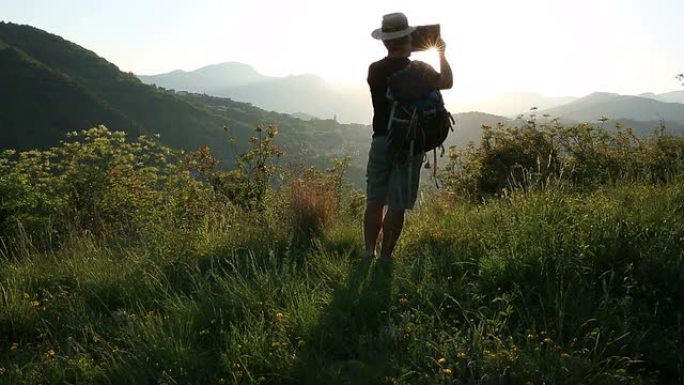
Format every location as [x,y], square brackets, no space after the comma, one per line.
[394,184]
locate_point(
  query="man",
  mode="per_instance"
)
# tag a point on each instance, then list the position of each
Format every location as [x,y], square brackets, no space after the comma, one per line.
[387,182]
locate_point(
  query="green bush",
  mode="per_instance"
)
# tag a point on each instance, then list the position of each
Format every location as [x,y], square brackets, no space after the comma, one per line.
[584,156]
[247,185]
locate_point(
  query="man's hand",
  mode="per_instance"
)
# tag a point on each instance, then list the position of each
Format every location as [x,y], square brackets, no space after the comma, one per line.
[441,46]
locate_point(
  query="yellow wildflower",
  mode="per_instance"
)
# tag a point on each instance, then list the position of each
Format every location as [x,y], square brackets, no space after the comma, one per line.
[446,371]
[461,355]
[279,315]
[442,361]
[35,303]
[15,346]
[565,355]
[50,354]
[548,341]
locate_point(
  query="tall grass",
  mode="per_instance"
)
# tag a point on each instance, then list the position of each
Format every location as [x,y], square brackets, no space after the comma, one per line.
[540,287]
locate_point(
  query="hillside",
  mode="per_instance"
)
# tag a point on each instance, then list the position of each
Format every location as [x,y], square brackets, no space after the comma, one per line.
[154,111]
[40,105]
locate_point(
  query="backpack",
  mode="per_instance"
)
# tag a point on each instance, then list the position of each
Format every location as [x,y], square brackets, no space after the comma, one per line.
[418,121]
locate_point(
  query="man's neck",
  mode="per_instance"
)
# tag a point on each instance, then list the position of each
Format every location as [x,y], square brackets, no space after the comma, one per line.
[399,54]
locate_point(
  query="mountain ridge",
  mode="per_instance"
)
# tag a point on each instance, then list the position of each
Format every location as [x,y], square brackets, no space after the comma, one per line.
[596,105]
[668,97]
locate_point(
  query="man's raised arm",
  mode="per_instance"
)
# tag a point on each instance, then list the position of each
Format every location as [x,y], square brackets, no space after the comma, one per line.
[445,80]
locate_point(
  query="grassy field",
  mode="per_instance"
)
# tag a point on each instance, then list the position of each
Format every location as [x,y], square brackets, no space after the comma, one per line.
[546,287]
[553,255]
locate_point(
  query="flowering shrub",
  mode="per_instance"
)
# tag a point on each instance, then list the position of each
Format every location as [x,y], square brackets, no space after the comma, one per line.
[98,181]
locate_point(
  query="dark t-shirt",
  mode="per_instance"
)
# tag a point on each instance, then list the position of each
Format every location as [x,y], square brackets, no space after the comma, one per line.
[378,73]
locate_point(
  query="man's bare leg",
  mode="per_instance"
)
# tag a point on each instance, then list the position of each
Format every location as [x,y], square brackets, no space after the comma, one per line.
[372,223]
[391,229]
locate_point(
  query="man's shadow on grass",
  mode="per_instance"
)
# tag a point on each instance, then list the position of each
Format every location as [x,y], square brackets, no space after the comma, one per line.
[350,344]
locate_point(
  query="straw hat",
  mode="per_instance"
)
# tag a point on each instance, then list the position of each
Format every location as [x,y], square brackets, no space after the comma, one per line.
[394,26]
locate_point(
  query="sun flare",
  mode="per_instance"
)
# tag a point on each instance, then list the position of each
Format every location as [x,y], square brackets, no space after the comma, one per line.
[430,56]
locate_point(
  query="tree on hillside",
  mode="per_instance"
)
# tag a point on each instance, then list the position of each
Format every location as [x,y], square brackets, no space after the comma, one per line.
[680,77]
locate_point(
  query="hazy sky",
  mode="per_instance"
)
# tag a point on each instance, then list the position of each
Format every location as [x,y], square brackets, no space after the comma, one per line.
[553,47]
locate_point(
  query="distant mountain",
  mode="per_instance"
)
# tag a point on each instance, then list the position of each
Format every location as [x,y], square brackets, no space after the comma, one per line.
[512,104]
[307,94]
[593,107]
[649,127]
[468,127]
[224,75]
[303,116]
[668,97]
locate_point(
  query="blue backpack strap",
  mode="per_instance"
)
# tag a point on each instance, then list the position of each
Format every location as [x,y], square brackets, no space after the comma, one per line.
[430,101]
[391,116]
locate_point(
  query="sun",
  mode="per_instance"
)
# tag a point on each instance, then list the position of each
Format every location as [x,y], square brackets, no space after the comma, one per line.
[430,56]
